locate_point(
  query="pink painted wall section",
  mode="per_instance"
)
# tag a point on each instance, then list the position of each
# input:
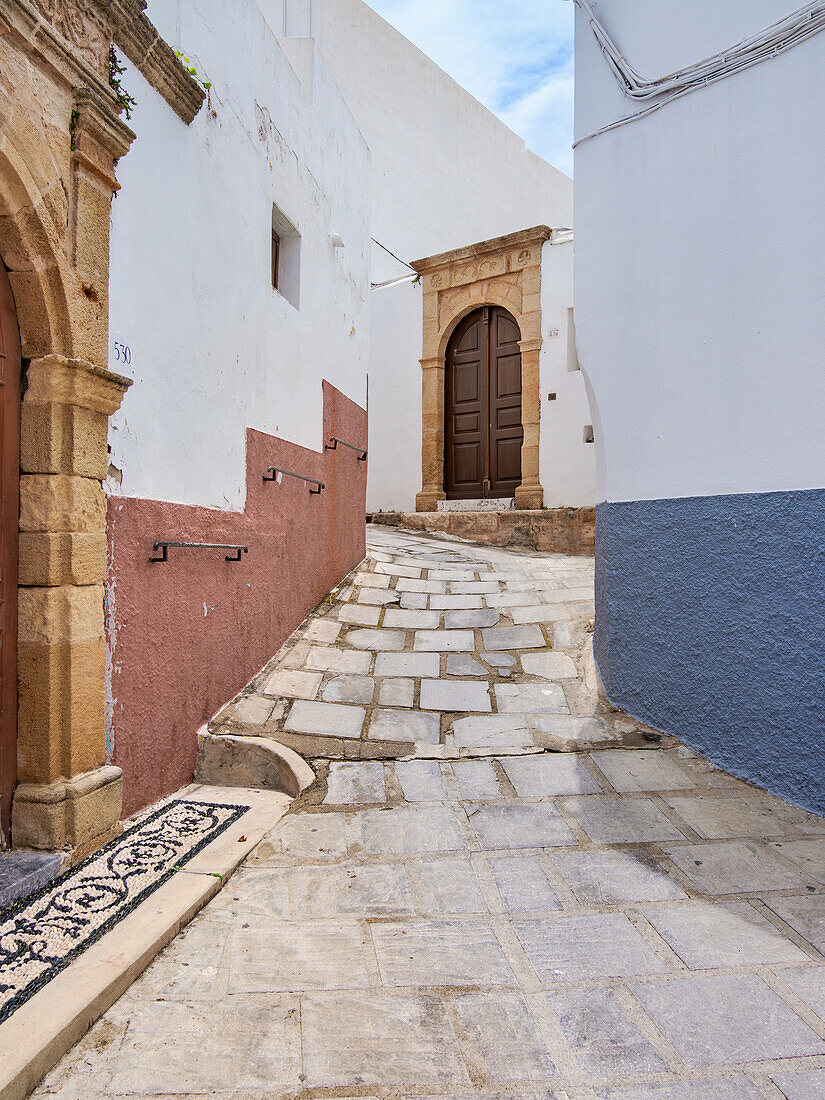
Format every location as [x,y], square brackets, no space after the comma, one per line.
[186,635]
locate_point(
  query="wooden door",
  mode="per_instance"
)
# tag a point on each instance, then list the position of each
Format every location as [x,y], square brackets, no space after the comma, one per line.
[9,519]
[482,410]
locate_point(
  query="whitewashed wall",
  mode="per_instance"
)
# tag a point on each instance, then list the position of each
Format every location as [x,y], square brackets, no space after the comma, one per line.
[214,349]
[567,465]
[445,173]
[699,274]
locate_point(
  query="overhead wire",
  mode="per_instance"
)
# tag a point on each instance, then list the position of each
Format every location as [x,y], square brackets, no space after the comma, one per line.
[797,27]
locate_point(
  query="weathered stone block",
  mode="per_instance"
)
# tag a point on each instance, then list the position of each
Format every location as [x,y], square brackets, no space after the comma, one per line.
[64,557]
[61,502]
[79,813]
[63,439]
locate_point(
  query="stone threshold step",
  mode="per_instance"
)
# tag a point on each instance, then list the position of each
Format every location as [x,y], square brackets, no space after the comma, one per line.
[502,504]
[23,872]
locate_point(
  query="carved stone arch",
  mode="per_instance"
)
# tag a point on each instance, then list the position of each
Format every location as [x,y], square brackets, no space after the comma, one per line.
[452,314]
[504,272]
[30,249]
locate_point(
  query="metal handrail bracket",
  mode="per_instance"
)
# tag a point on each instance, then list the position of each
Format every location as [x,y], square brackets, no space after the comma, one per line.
[164,549]
[272,475]
[362,454]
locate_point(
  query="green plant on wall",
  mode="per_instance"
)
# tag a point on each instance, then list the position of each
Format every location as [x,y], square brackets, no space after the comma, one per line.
[192,70]
[116,71]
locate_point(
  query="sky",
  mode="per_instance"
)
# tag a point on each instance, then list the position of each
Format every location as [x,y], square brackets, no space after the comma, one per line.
[515,56]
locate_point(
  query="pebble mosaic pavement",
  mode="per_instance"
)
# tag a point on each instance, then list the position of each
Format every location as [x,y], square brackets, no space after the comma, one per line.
[452,911]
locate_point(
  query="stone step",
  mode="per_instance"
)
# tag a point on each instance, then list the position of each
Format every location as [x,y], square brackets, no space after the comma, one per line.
[492,504]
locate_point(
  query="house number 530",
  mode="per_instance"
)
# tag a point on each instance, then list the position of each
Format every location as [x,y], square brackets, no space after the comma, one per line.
[123,353]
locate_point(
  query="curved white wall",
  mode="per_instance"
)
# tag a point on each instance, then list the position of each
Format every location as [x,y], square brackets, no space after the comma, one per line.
[717,387]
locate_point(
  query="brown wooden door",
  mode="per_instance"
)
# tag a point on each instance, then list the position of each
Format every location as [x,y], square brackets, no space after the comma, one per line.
[9,519]
[482,411]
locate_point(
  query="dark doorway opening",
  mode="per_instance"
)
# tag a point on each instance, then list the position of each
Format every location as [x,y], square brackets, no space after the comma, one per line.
[482,409]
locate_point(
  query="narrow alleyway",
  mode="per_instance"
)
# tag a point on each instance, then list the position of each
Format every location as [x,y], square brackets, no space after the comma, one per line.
[452,910]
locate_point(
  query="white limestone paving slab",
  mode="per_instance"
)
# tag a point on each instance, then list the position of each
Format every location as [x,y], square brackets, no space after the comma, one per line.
[513,637]
[444,641]
[492,733]
[325,719]
[371,580]
[531,699]
[332,659]
[349,689]
[404,725]
[549,666]
[411,619]
[377,597]
[458,620]
[359,616]
[455,695]
[293,683]
[407,664]
[396,693]
[414,601]
[418,586]
[354,783]
[384,640]
[456,603]
[421,780]
[322,630]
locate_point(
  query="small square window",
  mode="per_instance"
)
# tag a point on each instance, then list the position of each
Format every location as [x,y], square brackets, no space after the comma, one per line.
[286,258]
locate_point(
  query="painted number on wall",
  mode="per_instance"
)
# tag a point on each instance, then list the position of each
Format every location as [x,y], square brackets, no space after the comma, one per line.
[123,353]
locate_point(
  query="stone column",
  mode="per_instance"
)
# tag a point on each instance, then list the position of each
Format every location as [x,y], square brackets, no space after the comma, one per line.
[66,795]
[530,493]
[432,439]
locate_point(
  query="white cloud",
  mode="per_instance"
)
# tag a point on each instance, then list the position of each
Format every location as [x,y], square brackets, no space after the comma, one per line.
[544,118]
[515,57]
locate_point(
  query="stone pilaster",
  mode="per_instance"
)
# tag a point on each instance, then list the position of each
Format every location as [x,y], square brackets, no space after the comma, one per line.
[432,440]
[66,797]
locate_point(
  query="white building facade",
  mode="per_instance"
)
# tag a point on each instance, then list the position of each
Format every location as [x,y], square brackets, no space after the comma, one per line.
[245,327]
[699,280]
[446,174]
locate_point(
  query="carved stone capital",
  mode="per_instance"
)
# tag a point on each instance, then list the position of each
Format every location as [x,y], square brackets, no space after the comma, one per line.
[57,380]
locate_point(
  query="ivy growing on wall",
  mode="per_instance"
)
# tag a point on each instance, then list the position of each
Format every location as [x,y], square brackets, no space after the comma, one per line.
[192,70]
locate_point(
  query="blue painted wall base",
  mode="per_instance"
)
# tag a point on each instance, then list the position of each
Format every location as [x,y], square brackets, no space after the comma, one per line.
[710,625]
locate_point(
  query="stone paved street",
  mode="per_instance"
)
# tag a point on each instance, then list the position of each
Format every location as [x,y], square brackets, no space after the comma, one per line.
[452,910]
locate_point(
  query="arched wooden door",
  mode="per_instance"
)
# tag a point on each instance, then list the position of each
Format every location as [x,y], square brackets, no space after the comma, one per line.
[9,521]
[482,410]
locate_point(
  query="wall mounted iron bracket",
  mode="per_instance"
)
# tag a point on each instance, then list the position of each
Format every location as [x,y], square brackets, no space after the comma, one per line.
[164,549]
[333,446]
[272,475]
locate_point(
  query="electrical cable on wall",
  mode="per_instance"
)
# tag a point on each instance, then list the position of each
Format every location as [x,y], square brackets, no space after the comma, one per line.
[774,40]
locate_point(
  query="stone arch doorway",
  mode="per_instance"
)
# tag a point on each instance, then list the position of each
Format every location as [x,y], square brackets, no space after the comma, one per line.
[482,407]
[504,273]
[9,513]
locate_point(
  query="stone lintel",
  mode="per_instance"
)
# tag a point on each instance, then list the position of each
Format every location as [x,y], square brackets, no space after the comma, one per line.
[22,19]
[139,39]
[523,238]
[81,813]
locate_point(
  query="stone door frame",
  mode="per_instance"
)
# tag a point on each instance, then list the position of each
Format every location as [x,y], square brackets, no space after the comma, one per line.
[61,136]
[506,272]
